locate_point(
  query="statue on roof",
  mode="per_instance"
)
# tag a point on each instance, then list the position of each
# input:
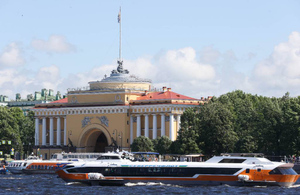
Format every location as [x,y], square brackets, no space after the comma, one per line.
[120,69]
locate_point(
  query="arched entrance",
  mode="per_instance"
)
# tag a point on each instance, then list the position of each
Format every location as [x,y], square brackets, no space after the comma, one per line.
[101,143]
[94,139]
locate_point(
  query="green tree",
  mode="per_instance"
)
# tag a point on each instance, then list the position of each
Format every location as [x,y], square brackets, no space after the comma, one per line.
[269,125]
[142,144]
[289,125]
[9,128]
[216,126]
[27,131]
[188,135]
[243,111]
[162,145]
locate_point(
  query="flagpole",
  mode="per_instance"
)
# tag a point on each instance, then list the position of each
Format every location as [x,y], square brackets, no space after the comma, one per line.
[120,43]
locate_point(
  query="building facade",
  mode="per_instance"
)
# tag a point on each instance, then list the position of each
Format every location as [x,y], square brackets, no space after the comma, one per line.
[26,104]
[109,114]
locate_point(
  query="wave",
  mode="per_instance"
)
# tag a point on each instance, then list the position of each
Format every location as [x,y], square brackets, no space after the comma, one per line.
[295,186]
[150,184]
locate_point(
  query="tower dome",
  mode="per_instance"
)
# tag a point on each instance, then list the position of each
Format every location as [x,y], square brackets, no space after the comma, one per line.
[121,79]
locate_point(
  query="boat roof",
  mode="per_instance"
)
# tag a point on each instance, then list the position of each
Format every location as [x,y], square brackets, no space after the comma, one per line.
[149,153]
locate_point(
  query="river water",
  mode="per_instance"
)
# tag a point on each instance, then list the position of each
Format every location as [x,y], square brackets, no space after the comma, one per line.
[50,184]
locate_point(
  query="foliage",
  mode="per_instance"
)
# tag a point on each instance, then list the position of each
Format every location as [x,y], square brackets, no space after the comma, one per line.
[9,127]
[16,127]
[142,144]
[162,145]
[216,128]
[188,134]
[240,122]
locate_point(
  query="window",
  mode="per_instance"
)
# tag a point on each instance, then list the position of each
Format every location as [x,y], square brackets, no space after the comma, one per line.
[247,170]
[232,160]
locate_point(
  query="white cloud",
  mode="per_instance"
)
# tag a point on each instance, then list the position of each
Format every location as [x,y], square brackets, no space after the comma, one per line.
[11,56]
[27,82]
[55,44]
[48,77]
[12,82]
[196,74]
[181,65]
[209,55]
[280,72]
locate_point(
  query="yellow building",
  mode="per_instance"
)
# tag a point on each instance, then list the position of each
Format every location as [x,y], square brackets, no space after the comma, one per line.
[110,113]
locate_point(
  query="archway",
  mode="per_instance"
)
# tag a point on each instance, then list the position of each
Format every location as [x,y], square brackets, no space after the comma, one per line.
[95,141]
[101,143]
[94,138]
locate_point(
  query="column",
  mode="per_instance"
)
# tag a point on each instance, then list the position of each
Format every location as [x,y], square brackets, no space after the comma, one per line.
[131,129]
[51,131]
[44,132]
[171,131]
[154,131]
[163,121]
[65,131]
[37,131]
[58,132]
[178,122]
[146,125]
[138,126]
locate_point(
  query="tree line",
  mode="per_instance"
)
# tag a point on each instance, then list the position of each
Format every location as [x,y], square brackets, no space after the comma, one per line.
[17,128]
[235,122]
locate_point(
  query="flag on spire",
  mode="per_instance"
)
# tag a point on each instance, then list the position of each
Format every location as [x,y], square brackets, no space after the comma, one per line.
[119,16]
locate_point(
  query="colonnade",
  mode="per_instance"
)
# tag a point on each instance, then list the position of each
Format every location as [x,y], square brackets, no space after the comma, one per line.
[51,131]
[154,125]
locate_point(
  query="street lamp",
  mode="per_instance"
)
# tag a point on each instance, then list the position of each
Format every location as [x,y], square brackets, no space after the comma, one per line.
[115,132]
[121,136]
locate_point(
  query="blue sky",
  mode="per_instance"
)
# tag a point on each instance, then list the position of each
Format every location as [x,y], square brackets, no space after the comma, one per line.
[199,48]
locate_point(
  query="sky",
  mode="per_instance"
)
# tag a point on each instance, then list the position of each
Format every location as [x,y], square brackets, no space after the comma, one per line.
[198,48]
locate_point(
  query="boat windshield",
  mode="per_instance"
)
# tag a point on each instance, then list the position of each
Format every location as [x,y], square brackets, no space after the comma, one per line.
[108,158]
[283,171]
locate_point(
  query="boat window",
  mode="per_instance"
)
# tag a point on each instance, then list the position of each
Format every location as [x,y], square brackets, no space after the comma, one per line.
[288,171]
[232,160]
[25,164]
[283,171]
[65,157]
[259,170]
[275,172]
[108,157]
[71,171]
[247,170]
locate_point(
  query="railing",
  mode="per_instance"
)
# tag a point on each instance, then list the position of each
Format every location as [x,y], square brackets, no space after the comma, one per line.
[86,89]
